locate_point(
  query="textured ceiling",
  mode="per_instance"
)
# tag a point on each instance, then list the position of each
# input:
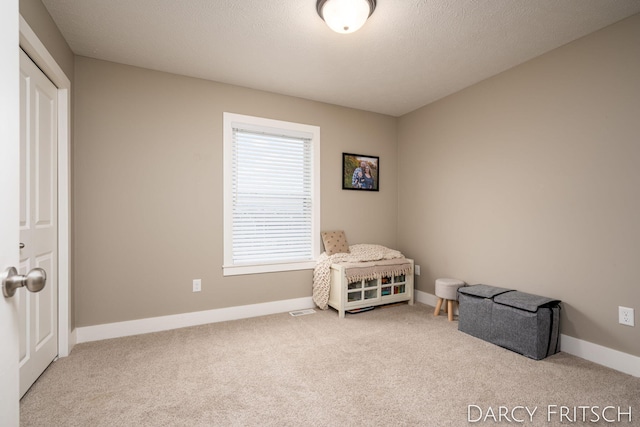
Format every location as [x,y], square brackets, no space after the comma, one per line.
[409,53]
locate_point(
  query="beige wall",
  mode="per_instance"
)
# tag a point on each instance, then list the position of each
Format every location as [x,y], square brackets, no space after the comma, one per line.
[148,190]
[531,180]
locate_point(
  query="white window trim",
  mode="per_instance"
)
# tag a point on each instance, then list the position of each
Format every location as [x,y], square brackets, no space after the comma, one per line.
[229,119]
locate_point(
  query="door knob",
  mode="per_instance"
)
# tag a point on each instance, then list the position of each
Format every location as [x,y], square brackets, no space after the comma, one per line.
[34,281]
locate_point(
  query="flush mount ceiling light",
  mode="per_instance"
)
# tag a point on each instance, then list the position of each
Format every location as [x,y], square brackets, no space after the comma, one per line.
[345,16]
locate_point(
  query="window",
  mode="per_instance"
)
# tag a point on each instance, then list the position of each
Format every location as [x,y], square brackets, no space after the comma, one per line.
[271,195]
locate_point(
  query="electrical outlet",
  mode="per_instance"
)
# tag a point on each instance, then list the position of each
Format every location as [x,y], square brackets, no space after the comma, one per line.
[197,285]
[626,316]
[417,268]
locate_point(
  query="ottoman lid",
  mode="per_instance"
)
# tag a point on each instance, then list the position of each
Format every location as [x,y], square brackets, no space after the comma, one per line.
[524,301]
[483,291]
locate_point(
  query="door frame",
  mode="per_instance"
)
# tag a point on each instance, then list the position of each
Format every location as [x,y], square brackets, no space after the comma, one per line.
[31,44]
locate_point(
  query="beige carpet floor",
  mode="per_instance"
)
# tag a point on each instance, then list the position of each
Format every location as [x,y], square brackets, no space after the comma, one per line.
[393,366]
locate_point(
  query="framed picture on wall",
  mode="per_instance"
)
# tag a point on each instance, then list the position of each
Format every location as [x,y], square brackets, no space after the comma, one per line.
[360,172]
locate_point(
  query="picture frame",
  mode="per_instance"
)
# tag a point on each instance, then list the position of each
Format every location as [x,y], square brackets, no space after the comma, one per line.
[353,175]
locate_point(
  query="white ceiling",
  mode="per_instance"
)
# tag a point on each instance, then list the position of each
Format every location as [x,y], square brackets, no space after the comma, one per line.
[410,52]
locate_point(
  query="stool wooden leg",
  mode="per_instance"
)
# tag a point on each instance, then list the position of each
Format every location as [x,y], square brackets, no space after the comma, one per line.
[450,307]
[438,305]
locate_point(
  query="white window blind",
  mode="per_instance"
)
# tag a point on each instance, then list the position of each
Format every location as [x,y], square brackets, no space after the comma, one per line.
[272,202]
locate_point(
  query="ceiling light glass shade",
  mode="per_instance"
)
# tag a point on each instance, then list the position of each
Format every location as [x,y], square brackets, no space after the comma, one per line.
[345,16]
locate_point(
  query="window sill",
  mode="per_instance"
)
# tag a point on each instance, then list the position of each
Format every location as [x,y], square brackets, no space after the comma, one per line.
[266,268]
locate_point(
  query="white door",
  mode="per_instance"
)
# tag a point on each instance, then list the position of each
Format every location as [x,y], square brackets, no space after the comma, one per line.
[38,220]
[9,175]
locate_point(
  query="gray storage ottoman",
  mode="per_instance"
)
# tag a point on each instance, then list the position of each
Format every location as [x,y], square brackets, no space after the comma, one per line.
[476,306]
[525,323]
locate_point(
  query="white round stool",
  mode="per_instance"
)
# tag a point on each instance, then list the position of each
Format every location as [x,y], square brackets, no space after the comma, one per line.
[447,291]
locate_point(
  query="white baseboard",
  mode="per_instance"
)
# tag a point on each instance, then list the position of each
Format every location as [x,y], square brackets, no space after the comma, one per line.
[425,298]
[428,299]
[164,323]
[614,359]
